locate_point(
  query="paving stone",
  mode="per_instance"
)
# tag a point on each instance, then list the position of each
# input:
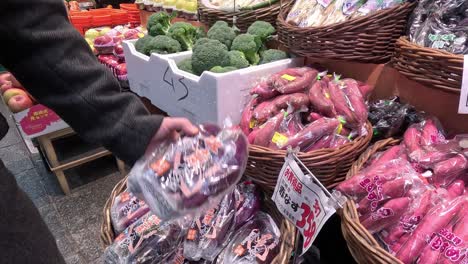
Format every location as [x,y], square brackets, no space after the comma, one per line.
[30,182]
[16,158]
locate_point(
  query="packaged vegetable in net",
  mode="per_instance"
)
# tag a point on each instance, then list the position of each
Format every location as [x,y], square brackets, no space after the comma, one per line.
[148,240]
[125,210]
[192,174]
[255,242]
[208,234]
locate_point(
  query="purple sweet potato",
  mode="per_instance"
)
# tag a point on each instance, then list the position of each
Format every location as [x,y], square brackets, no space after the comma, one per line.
[270,108]
[247,198]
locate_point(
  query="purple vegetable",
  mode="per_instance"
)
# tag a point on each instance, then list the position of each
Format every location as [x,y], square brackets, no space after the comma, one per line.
[258,241]
[247,198]
[208,234]
[148,240]
[188,175]
[125,210]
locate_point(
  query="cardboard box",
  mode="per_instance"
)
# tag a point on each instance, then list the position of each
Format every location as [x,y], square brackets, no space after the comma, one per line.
[211,97]
[37,121]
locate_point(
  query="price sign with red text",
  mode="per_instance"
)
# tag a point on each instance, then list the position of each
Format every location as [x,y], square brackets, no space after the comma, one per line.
[301,201]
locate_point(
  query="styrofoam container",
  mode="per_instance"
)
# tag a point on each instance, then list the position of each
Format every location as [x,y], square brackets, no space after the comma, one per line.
[211,97]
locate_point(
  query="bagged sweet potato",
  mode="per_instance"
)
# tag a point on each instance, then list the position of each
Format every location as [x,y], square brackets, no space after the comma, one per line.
[445,172]
[191,174]
[256,242]
[342,103]
[247,123]
[247,197]
[386,215]
[125,210]
[319,96]
[312,133]
[294,80]
[266,131]
[268,109]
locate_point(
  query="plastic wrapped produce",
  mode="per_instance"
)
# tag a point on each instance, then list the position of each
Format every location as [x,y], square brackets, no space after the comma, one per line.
[247,123]
[319,96]
[256,242]
[148,240]
[264,135]
[191,174]
[267,109]
[445,172]
[436,219]
[208,234]
[311,133]
[247,197]
[125,210]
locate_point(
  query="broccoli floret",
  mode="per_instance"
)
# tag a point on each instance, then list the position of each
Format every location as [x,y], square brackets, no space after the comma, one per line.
[184,33]
[141,43]
[273,55]
[163,45]
[208,53]
[220,24]
[224,34]
[200,33]
[185,65]
[249,45]
[219,69]
[237,59]
[159,23]
[262,29]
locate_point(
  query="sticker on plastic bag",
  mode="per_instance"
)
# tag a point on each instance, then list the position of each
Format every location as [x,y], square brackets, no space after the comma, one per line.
[463,103]
[303,202]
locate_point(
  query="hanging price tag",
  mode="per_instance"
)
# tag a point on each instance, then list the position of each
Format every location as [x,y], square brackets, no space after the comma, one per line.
[302,201]
[463,103]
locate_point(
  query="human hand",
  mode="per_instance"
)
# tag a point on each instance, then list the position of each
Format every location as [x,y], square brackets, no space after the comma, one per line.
[170,129]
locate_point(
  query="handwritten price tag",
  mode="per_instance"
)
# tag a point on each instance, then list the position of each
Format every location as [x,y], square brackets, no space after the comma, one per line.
[303,202]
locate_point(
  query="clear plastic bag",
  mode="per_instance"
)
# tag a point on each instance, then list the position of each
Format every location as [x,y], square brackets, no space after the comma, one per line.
[192,174]
[208,234]
[258,241]
[148,240]
[125,210]
[247,197]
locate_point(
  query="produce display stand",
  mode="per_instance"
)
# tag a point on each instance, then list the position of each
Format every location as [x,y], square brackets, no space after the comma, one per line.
[368,39]
[287,229]
[243,18]
[363,246]
[432,67]
[58,167]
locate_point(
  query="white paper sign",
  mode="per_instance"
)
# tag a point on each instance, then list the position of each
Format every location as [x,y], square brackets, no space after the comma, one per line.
[303,202]
[463,104]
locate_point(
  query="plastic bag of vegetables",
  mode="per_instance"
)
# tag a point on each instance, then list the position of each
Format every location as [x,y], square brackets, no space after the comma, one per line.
[191,174]
[125,210]
[256,242]
[148,240]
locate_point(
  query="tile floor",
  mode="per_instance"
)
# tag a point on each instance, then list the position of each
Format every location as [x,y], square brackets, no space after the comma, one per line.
[75,219]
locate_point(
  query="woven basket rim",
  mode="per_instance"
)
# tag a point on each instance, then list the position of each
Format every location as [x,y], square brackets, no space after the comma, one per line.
[333,28]
[403,40]
[227,13]
[288,231]
[360,242]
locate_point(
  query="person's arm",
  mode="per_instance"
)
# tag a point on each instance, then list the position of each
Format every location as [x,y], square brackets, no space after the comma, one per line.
[54,62]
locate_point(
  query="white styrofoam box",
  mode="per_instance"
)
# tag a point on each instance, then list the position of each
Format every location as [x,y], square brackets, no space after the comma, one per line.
[211,97]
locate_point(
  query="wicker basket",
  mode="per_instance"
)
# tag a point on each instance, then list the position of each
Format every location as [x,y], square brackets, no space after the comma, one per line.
[288,230]
[362,245]
[369,39]
[328,165]
[244,19]
[432,67]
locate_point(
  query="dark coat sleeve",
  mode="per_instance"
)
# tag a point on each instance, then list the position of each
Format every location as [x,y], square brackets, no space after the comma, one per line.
[55,64]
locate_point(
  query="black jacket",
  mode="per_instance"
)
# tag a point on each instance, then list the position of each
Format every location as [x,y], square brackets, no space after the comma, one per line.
[53,61]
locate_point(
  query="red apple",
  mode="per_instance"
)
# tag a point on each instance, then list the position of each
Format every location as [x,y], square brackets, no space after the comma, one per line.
[12,92]
[8,77]
[19,103]
[6,86]
[103,41]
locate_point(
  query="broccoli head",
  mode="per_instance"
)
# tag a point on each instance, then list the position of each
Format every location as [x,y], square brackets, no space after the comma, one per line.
[249,45]
[224,34]
[208,53]
[159,23]
[163,45]
[273,55]
[185,65]
[219,69]
[200,33]
[262,29]
[140,44]
[237,59]
[184,33]
[220,24]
